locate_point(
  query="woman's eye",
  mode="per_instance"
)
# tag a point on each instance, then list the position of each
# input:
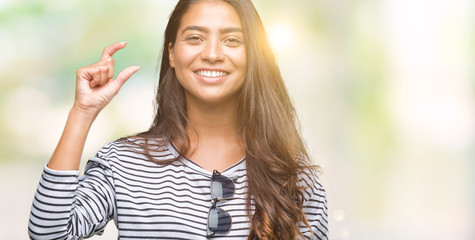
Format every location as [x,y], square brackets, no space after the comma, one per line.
[233,41]
[194,39]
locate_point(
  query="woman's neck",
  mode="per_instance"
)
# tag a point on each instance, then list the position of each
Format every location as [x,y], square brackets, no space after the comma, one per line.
[212,120]
[213,133]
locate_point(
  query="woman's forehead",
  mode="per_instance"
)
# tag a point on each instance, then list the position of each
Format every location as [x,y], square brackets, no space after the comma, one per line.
[211,14]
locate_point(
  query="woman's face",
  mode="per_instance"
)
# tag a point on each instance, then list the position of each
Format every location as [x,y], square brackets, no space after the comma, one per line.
[209,54]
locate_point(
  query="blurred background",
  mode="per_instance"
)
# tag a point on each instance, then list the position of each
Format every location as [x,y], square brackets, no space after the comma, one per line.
[385,91]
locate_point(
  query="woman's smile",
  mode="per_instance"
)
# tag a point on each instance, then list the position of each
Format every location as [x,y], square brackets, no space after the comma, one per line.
[211,76]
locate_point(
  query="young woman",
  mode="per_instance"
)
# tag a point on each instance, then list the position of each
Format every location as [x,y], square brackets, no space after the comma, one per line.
[222,159]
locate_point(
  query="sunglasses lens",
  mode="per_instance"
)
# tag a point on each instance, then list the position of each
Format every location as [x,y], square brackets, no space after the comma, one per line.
[222,187]
[219,221]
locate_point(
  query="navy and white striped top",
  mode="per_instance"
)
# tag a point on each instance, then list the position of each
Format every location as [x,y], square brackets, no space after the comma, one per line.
[146,200]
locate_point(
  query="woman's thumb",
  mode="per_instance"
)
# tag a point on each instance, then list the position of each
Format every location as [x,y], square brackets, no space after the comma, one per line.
[125,74]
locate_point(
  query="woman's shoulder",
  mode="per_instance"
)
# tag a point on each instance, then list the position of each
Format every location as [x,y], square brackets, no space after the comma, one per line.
[312,187]
[133,147]
[132,155]
[309,179]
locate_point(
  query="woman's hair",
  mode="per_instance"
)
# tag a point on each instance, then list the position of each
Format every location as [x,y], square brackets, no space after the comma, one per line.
[275,153]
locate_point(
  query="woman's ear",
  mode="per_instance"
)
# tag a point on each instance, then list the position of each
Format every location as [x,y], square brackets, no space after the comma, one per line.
[171,55]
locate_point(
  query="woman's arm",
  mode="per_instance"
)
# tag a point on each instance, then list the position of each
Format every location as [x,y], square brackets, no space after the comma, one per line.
[66,206]
[95,88]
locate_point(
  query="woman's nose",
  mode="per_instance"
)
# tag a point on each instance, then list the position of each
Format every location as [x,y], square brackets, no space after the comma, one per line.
[212,51]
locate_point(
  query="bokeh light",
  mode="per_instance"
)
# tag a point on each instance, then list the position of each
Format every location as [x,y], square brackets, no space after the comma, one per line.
[281,36]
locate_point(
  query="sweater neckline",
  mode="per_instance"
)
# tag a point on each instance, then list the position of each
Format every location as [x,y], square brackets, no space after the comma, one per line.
[228,171]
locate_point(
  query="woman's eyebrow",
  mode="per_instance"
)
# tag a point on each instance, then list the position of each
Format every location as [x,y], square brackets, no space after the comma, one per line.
[196,28]
[230,30]
[206,30]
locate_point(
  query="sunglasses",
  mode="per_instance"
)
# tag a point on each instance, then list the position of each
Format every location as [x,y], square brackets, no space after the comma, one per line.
[219,221]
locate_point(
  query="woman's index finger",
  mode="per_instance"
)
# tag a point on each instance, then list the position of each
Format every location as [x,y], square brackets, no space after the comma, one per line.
[109,51]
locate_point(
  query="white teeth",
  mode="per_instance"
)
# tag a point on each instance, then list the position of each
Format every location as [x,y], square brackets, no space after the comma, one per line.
[211,73]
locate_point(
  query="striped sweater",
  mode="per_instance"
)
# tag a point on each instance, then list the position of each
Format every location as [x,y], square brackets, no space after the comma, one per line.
[147,200]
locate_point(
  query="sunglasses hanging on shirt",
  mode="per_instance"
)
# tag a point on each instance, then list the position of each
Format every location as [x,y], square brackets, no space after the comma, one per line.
[219,221]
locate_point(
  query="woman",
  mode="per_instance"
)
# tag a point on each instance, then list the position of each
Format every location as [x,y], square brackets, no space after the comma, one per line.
[222,159]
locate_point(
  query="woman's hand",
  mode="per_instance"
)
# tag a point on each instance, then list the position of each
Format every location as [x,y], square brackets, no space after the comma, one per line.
[95,87]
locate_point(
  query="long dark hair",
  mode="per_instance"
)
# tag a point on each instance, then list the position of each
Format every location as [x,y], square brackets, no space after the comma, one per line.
[276,156]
